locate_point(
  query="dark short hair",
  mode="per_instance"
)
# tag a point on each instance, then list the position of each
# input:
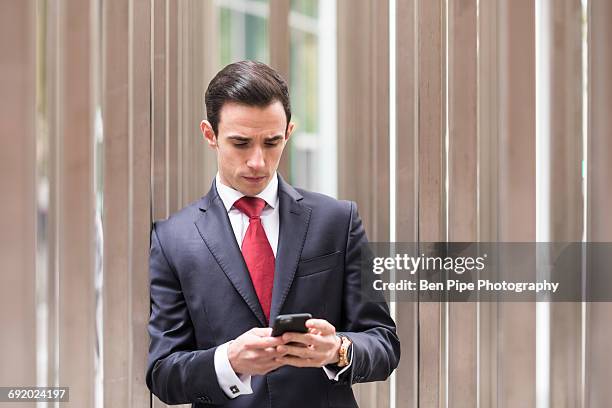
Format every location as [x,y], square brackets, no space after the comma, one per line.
[247,82]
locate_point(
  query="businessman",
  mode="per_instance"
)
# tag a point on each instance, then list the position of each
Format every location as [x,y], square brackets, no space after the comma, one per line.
[254,247]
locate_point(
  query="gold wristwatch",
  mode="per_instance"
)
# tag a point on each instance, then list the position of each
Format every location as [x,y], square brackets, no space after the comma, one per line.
[343,352]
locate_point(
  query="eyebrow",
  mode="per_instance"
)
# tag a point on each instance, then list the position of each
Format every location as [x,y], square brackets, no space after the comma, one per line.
[274,138]
[238,138]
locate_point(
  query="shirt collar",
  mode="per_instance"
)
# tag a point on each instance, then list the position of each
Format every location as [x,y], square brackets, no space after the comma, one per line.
[229,196]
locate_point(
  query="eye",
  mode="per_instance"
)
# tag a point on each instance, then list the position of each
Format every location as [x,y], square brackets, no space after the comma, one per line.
[240,144]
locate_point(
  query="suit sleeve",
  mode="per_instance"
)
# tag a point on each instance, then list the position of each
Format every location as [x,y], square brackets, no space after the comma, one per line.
[376,347]
[177,373]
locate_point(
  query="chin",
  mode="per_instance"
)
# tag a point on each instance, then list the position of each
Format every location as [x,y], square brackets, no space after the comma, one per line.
[250,191]
[245,189]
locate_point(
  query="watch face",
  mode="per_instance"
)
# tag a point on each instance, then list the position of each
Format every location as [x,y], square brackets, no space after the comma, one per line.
[344,351]
[348,351]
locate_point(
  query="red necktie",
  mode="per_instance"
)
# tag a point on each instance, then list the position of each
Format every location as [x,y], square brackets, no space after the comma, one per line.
[257,251]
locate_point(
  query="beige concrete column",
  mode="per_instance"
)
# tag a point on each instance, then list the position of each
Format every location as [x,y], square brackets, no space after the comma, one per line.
[488,199]
[279,42]
[159,92]
[363,129]
[363,112]
[126,162]
[279,36]
[463,193]
[74,200]
[432,195]
[599,222]
[406,205]
[17,181]
[198,63]
[516,203]
[172,107]
[560,131]
[184,60]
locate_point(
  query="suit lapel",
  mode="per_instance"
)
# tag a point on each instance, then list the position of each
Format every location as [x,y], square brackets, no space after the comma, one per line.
[294,218]
[216,231]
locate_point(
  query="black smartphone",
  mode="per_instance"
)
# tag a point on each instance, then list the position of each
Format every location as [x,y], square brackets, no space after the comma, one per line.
[290,323]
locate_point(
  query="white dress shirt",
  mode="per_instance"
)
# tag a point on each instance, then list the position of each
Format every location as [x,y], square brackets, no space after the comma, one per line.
[234,385]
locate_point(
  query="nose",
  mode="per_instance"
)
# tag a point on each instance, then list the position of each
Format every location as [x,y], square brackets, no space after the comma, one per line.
[256,159]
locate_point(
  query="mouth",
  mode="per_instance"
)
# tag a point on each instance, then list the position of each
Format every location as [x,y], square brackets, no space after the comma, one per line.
[254,180]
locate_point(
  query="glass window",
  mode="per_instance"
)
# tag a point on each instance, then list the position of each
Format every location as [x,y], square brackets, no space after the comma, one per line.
[313,95]
[243,30]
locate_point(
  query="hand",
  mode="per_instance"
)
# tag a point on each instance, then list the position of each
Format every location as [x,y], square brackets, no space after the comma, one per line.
[316,348]
[255,352]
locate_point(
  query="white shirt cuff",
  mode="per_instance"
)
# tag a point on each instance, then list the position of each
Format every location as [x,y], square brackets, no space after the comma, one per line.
[332,374]
[231,384]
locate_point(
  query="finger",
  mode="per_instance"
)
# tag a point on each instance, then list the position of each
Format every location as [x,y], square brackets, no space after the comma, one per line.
[322,325]
[261,331]
[303,338]
[303,352]
[263,356]
[297,361]
[254,343]
[273,352]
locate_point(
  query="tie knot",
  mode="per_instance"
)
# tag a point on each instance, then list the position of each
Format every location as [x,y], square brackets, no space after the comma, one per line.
[250,206]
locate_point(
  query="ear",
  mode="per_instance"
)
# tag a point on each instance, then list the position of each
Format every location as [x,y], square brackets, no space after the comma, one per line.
[208,133]
[290,130]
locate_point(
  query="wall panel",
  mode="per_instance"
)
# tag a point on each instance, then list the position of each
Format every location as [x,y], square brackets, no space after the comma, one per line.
[160,160]
[488,198]
[17,180]
[182,63]
[406,176]
[463,192]
[198,63]
[116,163]
[432,194]
[599,195]
[75,202]
[465,171]
[279,43]
[363,128]
[126,165]
[516,205]
[560,199]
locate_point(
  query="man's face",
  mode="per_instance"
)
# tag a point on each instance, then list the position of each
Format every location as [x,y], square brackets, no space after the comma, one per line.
[249,144]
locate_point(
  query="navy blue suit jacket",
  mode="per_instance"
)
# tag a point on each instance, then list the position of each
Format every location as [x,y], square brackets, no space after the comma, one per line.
[202,296]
